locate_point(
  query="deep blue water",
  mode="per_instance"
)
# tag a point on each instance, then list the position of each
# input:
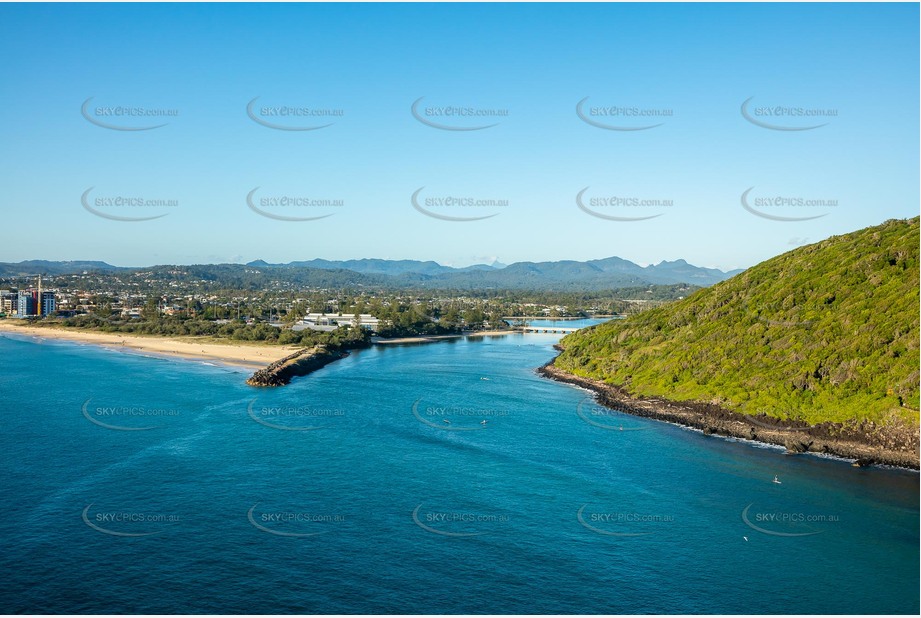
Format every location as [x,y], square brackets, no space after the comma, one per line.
[346,492]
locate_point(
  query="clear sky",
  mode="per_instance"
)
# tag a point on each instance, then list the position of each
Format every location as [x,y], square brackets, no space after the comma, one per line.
[857,64]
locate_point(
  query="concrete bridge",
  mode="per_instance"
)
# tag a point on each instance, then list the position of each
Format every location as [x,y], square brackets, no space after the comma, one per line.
[548,329]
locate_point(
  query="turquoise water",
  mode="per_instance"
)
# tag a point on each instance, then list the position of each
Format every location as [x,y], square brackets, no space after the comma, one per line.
[347,492]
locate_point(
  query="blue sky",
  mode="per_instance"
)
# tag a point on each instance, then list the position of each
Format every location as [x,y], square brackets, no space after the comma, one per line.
[855,63]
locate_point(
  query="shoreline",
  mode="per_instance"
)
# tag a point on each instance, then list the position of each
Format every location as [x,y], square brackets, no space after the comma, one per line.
[234,354]
[301,363]
[436,338]
[599,316]
[865,444]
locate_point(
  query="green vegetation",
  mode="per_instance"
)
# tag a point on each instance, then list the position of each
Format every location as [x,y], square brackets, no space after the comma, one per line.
[234,330]
[406,321]
[827,332]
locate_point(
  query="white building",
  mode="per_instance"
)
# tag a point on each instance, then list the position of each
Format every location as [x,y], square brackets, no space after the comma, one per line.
[365,320]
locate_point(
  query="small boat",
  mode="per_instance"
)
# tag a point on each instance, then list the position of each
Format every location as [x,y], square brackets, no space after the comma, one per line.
[444,420]
[776,480]
[484,378]
[482,422]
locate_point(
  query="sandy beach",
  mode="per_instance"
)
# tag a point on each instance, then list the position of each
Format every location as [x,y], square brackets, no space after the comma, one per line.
[251,356]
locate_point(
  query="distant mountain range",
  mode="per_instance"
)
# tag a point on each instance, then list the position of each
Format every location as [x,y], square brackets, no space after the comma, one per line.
[613,272]
[45,267]
[567,275]
[376,267]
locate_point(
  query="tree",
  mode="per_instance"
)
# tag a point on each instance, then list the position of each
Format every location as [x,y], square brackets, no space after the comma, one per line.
[151,310]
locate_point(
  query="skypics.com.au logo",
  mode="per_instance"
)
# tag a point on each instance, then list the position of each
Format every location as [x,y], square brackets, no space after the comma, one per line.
[126,117]
[786,117]
[282,207]
[457,207]
[622,117]
[622,207]
[451,117]
[106,206]
[284,117]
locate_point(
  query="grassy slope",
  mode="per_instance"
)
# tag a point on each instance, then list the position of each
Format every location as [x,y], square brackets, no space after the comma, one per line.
[826,332]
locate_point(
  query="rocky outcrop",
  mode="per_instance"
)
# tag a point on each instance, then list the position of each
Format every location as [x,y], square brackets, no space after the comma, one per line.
[866,442]
[300,363]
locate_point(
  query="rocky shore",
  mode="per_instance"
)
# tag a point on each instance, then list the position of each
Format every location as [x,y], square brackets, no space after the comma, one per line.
[300,363]
[865,442]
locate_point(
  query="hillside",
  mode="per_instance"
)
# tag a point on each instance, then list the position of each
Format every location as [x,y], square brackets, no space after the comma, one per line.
[825,333]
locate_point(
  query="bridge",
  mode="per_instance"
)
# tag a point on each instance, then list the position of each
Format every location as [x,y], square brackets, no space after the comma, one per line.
[548,329]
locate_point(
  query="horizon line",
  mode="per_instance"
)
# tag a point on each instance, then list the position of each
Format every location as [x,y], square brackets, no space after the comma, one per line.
[443,265]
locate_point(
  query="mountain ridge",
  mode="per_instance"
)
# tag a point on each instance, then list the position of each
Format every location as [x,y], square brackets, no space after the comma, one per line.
[612,271]
[563,275]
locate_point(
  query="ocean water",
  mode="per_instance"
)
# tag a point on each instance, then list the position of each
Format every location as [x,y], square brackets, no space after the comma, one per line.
[148,485]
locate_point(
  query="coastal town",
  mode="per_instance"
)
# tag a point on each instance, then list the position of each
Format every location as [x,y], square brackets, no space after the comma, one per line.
[134,298]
